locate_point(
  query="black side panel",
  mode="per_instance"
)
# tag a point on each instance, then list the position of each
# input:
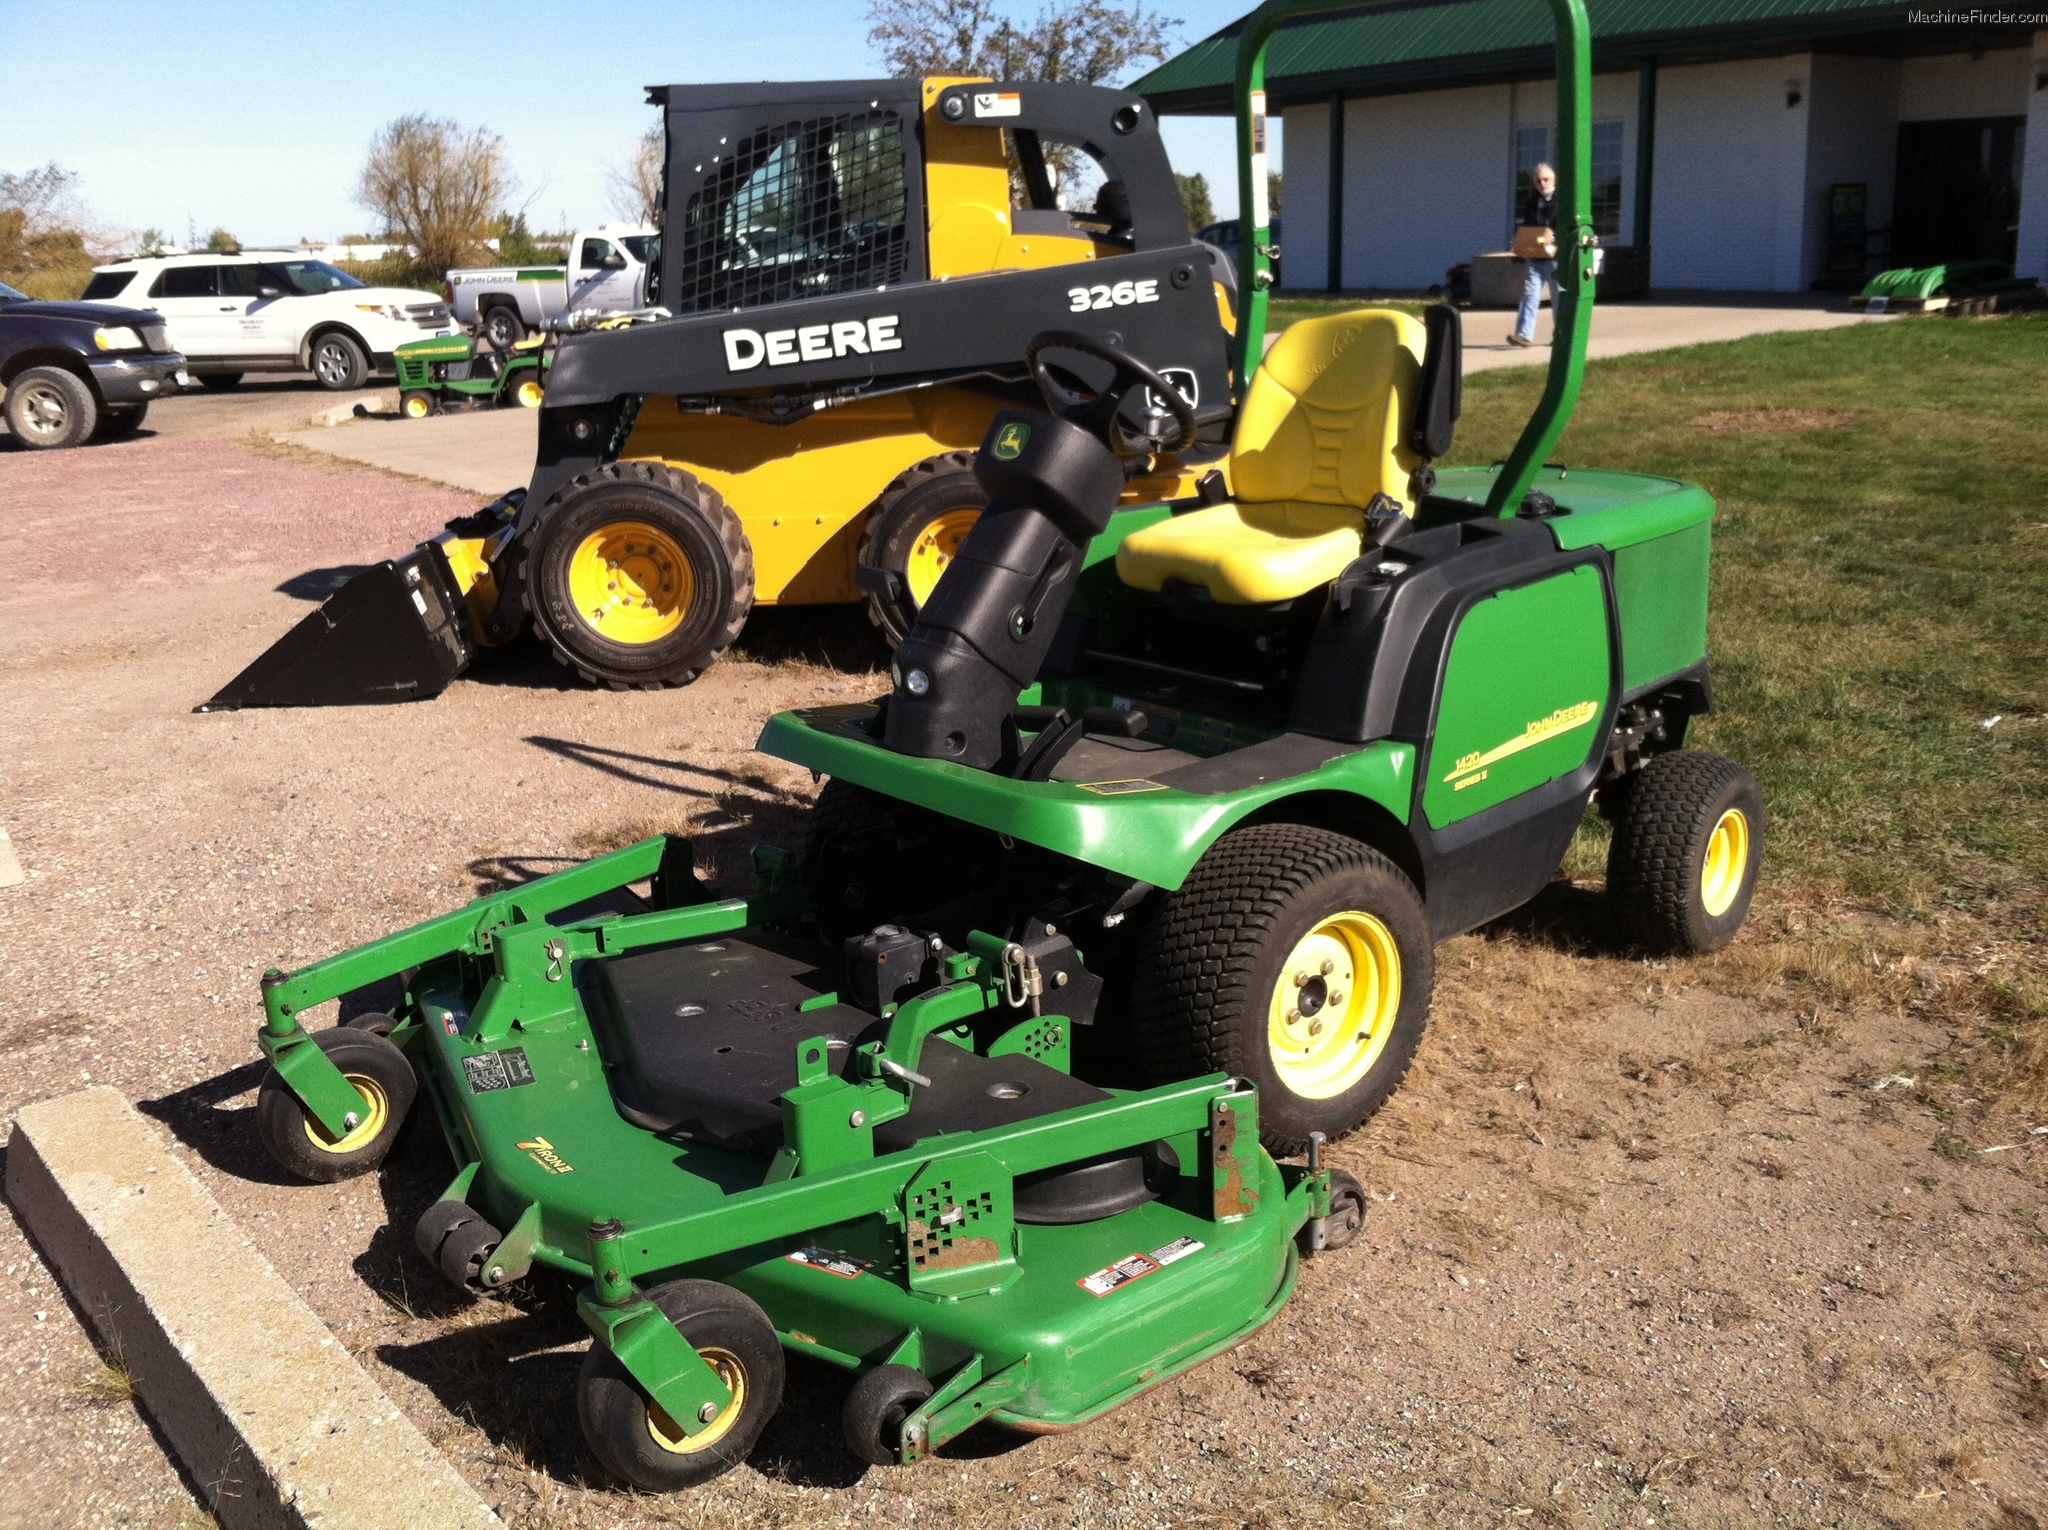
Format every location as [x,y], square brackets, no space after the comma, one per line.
[1479,868]
[393,633]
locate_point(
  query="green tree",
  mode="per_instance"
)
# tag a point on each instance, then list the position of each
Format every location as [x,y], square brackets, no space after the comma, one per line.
[1273,192]
[221,242]
[438,186]
[152,241]
[1194,199]
[47,242]
[518,247]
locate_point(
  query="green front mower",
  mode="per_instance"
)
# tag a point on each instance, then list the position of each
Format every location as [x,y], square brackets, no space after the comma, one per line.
[457,371]
[1125,892]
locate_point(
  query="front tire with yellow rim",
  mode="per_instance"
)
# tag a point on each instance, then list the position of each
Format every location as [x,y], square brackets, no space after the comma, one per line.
[640,1444]
[417,404]
[638,575]
[525,391]
[1296,957]
[913,532]
[302,1146]
[1688,841]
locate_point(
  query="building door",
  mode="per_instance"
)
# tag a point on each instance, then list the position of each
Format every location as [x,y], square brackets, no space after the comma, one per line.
[1957,195]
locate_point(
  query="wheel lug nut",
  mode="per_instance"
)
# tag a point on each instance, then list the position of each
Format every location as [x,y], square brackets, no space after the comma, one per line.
[1327,967]
[1315,1028]
[1293,1016]
[1300,978]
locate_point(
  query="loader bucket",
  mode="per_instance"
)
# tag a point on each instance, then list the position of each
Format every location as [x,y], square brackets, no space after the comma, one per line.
[395,632]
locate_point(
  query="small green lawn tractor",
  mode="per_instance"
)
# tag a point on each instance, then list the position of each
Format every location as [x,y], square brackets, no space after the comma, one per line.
[1126,891]
[434,375]
[1960,286]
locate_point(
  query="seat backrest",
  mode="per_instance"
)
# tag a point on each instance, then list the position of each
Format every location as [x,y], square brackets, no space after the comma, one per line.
[1326,418]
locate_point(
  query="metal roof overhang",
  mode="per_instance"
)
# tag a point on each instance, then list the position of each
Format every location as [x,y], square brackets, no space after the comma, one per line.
[1849,32]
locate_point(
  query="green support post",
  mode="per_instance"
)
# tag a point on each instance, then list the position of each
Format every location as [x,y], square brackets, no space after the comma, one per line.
[1577,244]
[657,1356]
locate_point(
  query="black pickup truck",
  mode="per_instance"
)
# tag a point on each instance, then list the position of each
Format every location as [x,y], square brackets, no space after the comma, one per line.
[76,372]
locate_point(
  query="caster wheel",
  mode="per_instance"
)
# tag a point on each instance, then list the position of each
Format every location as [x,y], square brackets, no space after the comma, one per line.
[640,1444]
[458,1242]
[381,1075]
[876,1408]
[1347,1215]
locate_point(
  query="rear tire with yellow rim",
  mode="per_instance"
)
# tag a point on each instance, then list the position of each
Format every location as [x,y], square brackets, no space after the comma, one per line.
[302,1146]
[1688,842]
[1296,957]
[636,1441]
[913,532]
[638,575]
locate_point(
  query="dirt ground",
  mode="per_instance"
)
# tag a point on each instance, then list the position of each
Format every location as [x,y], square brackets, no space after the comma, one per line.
[1649,1244]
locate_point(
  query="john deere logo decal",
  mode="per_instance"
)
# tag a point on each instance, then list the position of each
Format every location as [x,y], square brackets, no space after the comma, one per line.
[1471,768]
[543,1153]
[1010,440]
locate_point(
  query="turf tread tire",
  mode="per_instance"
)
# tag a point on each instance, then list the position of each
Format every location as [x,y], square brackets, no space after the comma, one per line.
[881,527]
[726,531]
[1661,827]
[1195,975]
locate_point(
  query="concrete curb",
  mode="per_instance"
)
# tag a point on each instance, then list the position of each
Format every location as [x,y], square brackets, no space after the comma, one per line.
[271,1417]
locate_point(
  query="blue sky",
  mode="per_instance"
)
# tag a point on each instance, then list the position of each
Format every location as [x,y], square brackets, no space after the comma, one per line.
[254,117]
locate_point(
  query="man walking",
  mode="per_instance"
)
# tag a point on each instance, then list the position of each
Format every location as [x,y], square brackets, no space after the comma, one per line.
[1539,211]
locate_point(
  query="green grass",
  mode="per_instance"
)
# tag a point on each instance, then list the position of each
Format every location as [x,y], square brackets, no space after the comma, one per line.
[1880,588]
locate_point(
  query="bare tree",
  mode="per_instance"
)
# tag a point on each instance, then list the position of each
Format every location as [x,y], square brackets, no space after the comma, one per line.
[438,186]
[1090,42]
[636,187]
[48,241]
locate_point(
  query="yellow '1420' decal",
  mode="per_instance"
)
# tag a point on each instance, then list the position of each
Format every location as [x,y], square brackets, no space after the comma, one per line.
[1563,720]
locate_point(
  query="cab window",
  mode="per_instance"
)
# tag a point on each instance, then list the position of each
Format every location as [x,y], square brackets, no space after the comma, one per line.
[185,282]
[595,253]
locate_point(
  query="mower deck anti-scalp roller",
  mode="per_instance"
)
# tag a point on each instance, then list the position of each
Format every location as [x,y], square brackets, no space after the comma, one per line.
[1124,896]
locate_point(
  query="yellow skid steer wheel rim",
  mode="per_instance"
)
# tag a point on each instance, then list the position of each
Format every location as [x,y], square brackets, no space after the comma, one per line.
[631,582]
[669,1435]
[1726,863]
[527,393]
[1334,1005]
[376,1111]
[933,551]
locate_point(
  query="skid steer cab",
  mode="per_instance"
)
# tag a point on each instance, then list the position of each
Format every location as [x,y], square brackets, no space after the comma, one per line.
[846,279]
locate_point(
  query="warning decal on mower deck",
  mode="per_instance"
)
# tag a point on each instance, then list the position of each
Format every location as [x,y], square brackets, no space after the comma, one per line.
[497,1070]
[1122,1273]
[831,1262]
[1119,788]
[1179,1248]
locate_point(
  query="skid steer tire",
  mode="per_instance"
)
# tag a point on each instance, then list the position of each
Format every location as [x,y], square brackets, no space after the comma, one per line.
[1280,926]
[913,529]
[639,575]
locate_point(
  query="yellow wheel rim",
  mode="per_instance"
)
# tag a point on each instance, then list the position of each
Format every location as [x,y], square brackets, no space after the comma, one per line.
[1727,863]
[1334,1006]
[377,1110]
[416,408]
[631,582]
[669,1435]
[527,394]
[933,551]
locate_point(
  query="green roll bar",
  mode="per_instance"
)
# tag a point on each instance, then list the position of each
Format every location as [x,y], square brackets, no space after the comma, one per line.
[1576,243]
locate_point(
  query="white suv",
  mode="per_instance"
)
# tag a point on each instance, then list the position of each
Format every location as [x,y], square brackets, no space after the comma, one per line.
[259,311]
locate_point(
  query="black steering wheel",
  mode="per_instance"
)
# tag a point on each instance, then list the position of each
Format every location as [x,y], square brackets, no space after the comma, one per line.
[1101,412]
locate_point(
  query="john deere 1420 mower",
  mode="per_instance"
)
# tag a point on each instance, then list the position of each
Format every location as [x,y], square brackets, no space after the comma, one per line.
[1127,889]
[846,290]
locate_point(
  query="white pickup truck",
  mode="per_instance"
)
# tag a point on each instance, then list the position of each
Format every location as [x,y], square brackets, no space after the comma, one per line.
[607,273]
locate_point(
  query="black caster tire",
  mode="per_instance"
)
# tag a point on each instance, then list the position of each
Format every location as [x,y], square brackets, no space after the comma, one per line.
[301,1146]
[913,530]
[1347,1215]
[49,409]
[1688,843]
[876,1408]
[376,1023]
[458,1242]
[1298,958]
[639,1444]
[639,575]
[339,362]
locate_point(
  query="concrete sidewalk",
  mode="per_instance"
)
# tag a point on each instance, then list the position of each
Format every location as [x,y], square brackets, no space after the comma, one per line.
[491,450]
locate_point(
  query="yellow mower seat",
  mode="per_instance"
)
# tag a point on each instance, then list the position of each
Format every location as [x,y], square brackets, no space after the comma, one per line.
[1323,429]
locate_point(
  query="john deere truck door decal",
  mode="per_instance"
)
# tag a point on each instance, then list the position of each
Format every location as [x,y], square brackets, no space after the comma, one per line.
[1523,694]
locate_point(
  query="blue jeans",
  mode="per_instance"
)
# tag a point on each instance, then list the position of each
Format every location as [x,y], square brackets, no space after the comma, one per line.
[1534,274]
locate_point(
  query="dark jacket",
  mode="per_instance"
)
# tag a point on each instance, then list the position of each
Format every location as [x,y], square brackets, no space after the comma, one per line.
[1539,211]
